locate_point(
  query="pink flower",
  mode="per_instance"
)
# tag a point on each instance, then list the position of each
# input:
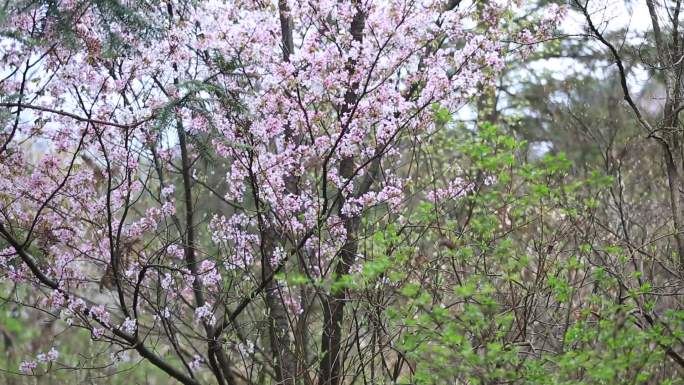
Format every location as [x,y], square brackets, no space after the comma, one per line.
[210,275]
[196,362]
[98,333]
[204,313]
[129,325]
[50,356]
[100,314]
[57,299]
[27,366]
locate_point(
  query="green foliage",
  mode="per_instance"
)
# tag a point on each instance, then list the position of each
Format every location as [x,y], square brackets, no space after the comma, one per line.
[471,332]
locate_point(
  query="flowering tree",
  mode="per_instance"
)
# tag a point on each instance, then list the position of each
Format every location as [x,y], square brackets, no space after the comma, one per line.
[206,189]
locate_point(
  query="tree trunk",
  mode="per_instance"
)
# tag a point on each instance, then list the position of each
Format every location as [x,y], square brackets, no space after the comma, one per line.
[333,305]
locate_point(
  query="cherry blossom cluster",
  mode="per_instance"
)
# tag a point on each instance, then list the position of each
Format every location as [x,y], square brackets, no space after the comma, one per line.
[42,358]
[105,198]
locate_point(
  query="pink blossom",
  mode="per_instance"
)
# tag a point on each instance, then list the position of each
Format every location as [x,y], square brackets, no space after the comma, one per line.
[27,366]
[129,325]
[98,333]
[209,273]
[50,356]
[204,313]
[100,314]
